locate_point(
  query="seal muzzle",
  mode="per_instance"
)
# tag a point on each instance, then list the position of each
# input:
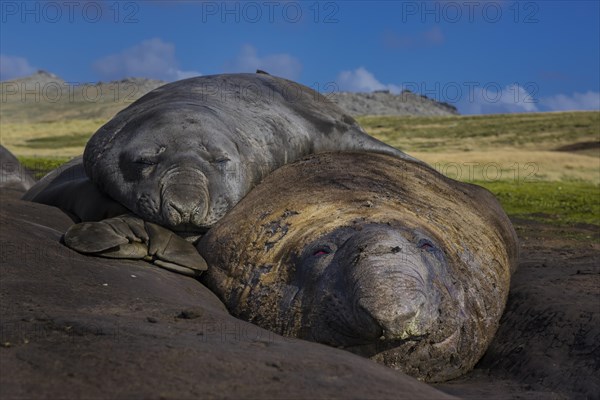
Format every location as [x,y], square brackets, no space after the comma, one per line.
[184,197]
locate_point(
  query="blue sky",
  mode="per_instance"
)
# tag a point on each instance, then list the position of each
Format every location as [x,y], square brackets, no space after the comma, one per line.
[482,56]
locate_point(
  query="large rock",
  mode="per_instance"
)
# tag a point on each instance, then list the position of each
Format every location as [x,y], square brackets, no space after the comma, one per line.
[82,327]
[382,102]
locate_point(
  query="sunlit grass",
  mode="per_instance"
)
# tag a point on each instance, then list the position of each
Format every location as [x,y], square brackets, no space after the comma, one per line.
[512,155]
[65,138]
[562,203]
[539,131]
[40,166]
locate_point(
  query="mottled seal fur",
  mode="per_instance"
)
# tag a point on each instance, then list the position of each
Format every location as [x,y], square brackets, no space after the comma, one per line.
[382,256]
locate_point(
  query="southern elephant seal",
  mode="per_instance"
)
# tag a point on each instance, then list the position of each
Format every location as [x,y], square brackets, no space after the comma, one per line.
[13,175]
[185,153]
[382,256]
[119,234]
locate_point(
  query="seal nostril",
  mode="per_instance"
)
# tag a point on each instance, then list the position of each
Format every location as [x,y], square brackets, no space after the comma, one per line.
[176,208]
[368,324]
[176,213]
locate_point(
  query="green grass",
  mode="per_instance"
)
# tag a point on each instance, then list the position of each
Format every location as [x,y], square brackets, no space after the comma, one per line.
[539,131]
[60,138]
[58,142]
[565,190]
[562,203]
[525,140]
[40,166]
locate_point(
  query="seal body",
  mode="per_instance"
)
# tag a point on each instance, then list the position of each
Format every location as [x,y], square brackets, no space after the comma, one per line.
[381,256]
[182,155]
[69,189]
[13,175]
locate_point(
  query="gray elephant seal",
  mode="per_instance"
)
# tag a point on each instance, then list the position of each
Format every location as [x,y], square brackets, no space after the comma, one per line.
[182,155]
[381,256]
[69,189]
[118,234]
[12,174]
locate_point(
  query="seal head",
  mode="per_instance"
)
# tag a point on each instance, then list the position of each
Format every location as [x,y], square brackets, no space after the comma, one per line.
[171,171]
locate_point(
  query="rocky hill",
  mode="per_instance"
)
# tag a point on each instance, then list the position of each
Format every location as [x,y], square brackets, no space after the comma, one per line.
[385,103]
[45,97]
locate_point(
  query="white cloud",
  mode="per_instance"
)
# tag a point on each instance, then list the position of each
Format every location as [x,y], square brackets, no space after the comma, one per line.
[151,58]
[14,67]
[282,64]
[492,100]
[577,101]
[361,80]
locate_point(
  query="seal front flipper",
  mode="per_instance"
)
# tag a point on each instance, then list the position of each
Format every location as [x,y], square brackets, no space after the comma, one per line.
[172,252]
[129,237]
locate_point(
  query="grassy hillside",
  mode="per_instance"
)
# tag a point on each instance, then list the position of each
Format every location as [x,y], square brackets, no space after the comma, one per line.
[539,131]
[541,166]
[524,146]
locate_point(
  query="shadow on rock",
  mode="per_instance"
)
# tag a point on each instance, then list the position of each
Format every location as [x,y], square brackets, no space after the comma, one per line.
[74,326]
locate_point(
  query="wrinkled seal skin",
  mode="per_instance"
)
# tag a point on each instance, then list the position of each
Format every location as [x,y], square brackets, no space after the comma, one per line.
[382,256]
[182,155]
[13,175]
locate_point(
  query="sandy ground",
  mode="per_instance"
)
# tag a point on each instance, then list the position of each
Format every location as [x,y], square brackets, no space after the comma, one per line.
[548,344]
[81,327]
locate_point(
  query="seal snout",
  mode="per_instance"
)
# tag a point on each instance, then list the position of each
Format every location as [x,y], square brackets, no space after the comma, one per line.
[180,215]
[393,286]
[184,197]
[395,325]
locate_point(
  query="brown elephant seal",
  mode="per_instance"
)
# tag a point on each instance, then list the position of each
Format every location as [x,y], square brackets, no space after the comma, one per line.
[185,153]
[381,256]
[13,175]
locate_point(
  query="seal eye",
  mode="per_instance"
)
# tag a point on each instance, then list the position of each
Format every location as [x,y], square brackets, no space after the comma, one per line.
[222,160]
[425,244]
[147,158]
[321,252]
[145,161]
